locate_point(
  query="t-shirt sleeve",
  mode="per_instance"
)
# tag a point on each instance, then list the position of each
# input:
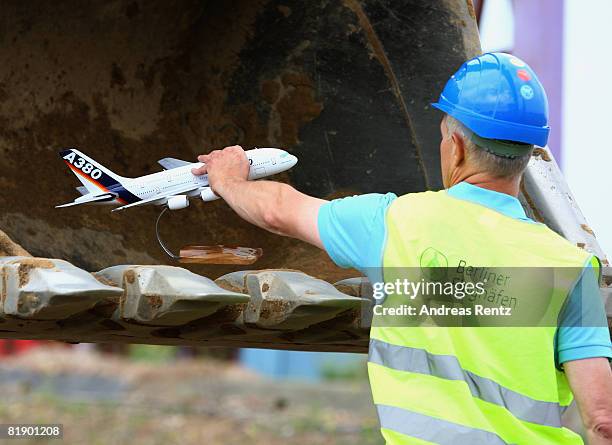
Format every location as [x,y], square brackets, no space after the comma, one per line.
[352,229]
[583,330]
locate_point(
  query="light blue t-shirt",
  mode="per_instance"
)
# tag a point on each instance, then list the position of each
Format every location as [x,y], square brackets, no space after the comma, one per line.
[353,232]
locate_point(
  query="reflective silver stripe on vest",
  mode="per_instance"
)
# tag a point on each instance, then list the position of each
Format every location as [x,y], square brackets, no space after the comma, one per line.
[432,429]
[403,358]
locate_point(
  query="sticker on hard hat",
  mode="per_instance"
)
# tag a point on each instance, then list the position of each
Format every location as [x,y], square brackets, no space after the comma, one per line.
[527,92]
[517,62]
[523,75]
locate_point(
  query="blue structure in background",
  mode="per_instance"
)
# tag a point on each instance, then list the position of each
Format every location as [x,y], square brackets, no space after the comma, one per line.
[299,364]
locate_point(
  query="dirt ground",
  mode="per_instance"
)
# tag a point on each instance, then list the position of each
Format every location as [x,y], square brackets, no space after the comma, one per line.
[103,399]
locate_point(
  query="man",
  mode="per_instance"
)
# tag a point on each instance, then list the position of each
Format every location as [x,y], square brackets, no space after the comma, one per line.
[460,385]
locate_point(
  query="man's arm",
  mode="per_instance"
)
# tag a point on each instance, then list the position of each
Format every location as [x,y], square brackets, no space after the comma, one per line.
[273,206]
[351,229]
[591,383]
[584,349]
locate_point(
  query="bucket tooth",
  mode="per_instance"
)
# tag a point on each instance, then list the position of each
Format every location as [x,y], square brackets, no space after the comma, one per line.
[290,300]
[167,295]
[48,289]
[357,287]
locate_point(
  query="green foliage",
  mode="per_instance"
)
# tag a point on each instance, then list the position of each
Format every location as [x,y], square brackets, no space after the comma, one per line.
[152,353]
[355,371]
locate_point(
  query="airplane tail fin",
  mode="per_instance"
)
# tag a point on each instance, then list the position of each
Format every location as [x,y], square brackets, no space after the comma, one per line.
[94,176]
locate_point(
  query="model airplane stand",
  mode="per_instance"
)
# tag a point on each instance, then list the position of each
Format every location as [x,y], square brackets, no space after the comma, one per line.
[217,254]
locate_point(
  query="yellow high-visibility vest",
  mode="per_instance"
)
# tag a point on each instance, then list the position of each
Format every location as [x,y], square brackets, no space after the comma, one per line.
[473,385]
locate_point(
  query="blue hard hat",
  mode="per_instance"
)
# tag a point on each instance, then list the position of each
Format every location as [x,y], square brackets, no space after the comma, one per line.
[498,96]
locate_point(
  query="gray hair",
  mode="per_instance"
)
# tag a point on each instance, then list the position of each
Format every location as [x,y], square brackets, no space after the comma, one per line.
[498,166]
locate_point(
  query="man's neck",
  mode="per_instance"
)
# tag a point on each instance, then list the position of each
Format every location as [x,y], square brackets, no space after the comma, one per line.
[509,186]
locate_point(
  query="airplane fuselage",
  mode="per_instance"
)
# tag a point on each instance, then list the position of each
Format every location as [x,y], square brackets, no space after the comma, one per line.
[262,164]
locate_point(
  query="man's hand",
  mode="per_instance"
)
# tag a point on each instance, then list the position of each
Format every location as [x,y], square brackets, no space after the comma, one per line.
[224,166]
[273,206]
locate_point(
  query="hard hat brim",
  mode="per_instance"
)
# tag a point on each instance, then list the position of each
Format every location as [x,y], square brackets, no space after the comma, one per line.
[489,128]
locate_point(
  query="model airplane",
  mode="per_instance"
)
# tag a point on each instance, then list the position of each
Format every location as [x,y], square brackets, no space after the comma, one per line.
[172,187]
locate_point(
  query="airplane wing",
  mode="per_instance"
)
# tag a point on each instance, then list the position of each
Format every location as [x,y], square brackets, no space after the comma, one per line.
[139,203]
[89,199]
[159,196]
[170,163]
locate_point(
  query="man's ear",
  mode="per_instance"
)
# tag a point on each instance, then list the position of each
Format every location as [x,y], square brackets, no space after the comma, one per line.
[458,149]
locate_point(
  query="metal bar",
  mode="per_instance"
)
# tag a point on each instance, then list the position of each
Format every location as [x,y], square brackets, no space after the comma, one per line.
[283,309]
[550,201]
[280,309]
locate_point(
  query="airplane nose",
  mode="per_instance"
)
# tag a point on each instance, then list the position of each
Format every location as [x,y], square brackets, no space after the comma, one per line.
[294,160]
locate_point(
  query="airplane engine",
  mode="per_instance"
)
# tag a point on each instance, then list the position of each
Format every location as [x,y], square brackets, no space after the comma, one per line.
[178,202]
[208,195]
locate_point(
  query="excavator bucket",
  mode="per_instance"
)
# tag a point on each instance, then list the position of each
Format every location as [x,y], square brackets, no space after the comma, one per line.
[346,85]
